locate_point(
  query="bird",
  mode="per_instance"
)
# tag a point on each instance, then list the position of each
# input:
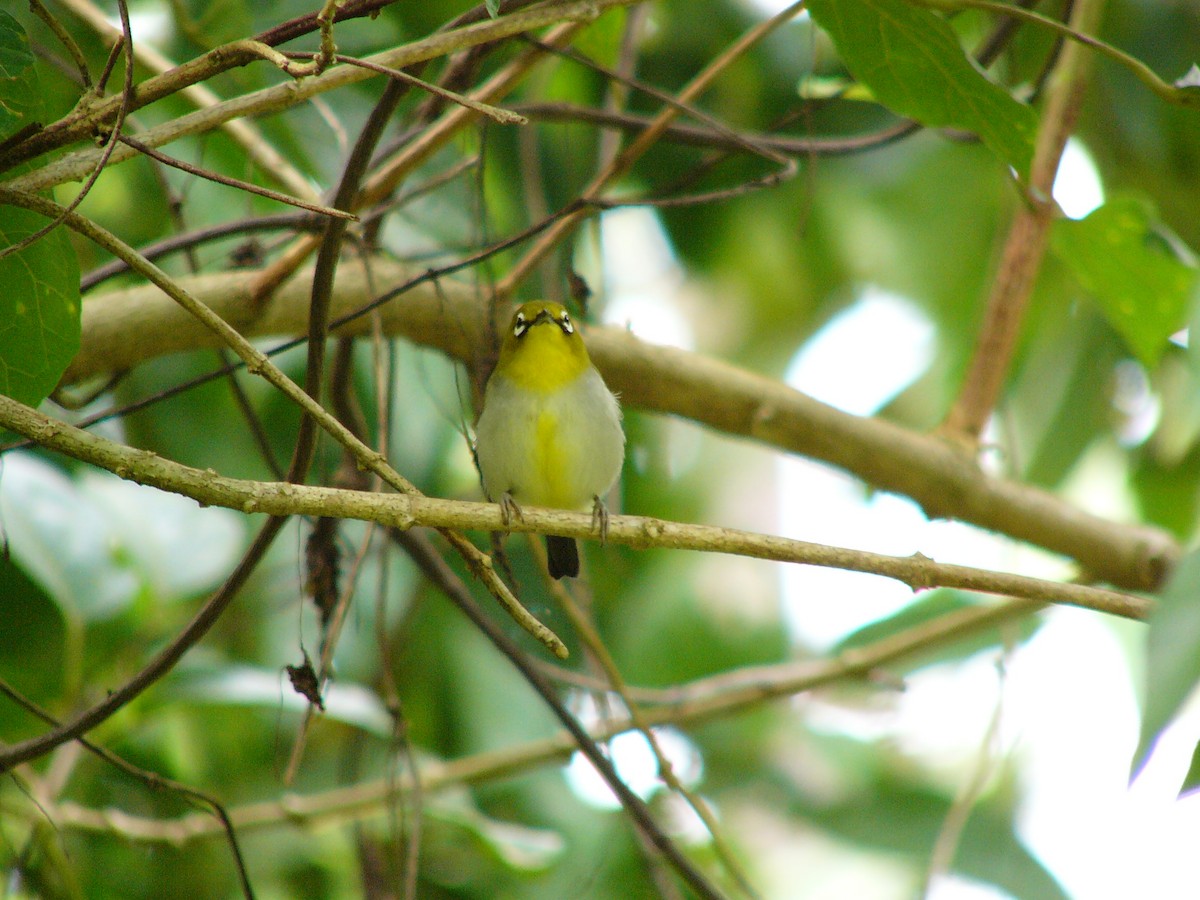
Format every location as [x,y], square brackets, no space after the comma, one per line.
[549,433]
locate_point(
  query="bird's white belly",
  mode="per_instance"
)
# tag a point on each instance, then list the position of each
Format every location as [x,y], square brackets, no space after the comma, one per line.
[556,449]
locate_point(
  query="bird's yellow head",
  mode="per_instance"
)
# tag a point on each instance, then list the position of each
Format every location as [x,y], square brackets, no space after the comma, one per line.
[542,350]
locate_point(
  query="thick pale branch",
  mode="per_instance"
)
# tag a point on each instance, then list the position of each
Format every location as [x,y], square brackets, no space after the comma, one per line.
[409,510]
[124,328]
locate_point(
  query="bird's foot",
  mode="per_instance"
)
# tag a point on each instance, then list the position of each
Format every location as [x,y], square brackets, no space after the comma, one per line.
[509,509]
[600,518]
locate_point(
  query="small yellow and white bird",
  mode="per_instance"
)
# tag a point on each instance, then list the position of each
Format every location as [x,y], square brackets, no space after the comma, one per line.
[550,431]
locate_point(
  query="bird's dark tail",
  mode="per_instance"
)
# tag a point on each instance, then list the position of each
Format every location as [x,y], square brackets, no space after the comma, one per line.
[563,555]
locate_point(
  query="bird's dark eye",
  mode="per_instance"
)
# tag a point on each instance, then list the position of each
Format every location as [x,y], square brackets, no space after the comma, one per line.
[565,323]
[520,324]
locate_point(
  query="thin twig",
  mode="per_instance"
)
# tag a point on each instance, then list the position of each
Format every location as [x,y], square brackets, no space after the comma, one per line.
[329,640]
[1173,94]
[390,173]
[718,139]
[495,113]
[242,131]
[82,121]
[383,353]
[110,141]
[310,22]
[277,222]
[616,682]
[594,203]
[941,855]
[64,37]
[254,422]
[161,663]
[679,105]
[182,242]
[328,256]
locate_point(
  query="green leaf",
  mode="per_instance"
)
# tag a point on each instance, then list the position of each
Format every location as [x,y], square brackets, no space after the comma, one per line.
[1122,258]
[31,619]
[1191,780]
[1172,658]
[20,99]
[160,531]
[493,7]
[218,22]
[914,64]
[39,307]
[1168,490]
[96,542]
[62,541]
[39,285]
[1078,407]
[928,607]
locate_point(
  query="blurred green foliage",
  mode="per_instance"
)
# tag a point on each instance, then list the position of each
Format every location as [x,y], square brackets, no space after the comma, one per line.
[920,217]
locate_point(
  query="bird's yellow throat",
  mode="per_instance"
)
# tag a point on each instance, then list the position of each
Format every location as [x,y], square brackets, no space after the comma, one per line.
[543,359]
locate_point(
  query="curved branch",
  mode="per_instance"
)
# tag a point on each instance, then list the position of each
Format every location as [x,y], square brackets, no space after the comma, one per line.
[714,139]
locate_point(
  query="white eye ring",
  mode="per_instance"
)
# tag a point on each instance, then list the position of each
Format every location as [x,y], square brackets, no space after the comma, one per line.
[519,325]
[565,323]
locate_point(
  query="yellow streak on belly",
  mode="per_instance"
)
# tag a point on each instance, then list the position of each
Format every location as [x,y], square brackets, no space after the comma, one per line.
[551,463]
